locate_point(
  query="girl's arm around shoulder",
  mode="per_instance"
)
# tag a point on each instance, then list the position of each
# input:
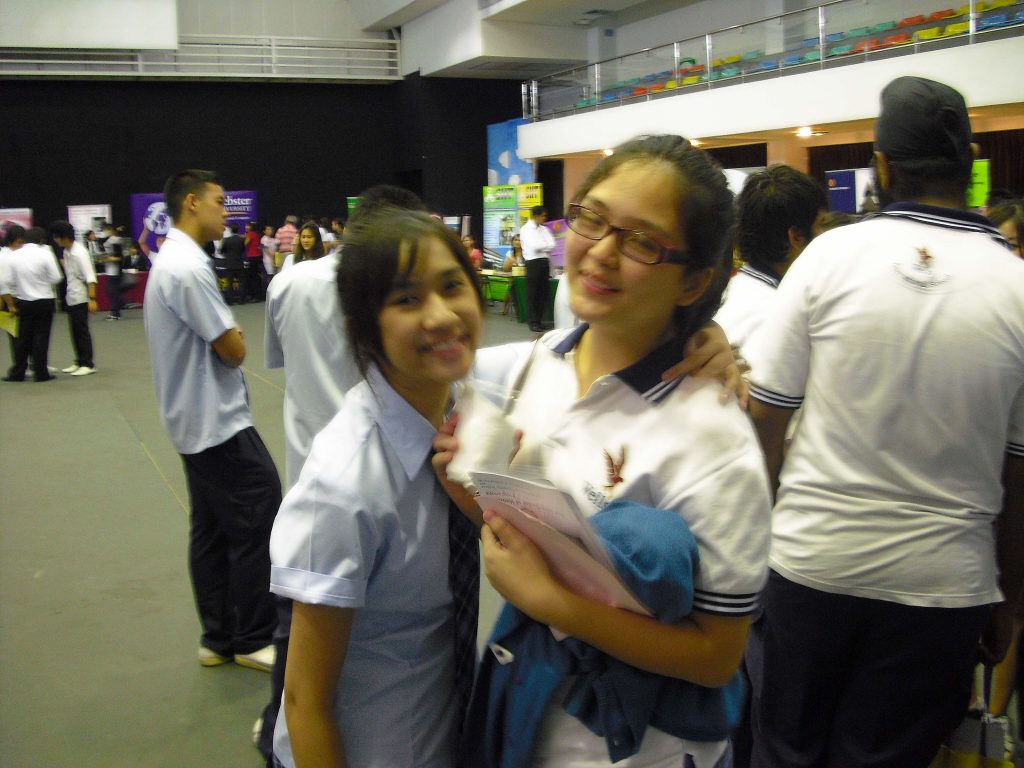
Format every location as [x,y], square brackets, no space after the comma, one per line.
[704,649]
[316,655]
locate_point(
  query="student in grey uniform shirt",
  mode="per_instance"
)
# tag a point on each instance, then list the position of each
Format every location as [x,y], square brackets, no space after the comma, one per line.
[234,490]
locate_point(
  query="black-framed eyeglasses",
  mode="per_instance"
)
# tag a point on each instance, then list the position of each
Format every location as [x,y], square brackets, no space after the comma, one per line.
[632,243]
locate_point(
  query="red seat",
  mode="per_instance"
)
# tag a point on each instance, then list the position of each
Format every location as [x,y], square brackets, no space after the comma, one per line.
[948,13]
[639,91]
[866,45]
[900,39]
[912,21]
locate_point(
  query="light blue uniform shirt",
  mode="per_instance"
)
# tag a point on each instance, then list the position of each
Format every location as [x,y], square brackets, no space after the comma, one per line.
[202,402]
[366,527]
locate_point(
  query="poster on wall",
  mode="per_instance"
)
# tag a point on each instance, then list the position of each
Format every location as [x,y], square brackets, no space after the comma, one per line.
[842,191]
[504,165]
[22,216]
[977,192]
[88,217]
[150,221]
[500,221]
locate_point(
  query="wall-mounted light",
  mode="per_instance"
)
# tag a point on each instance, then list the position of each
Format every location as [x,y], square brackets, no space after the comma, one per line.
[806,132]
[696,143]
[609,152]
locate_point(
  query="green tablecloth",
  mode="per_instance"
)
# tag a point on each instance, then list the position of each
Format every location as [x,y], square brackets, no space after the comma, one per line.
[496,286]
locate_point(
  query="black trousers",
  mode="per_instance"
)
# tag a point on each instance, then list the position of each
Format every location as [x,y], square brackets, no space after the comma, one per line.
[115,294]
[81,339]
[538,272]
[235,491]
[851,682]
[35,319]
[255,280]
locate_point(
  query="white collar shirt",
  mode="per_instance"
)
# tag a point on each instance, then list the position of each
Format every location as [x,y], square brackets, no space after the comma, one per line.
[305,334]
[202,401]
[676,447]
[80,272]
[746,301]
[670,445]
[536,240]
[902,337]
[365,527]
[33,272]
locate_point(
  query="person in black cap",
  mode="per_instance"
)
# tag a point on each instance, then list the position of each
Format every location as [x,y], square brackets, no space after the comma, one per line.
[899,513]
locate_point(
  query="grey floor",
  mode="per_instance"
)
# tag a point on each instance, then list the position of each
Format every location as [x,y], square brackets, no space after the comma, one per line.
[98,633]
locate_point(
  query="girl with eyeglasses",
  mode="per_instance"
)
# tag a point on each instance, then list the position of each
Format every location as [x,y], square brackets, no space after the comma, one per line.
[646,259]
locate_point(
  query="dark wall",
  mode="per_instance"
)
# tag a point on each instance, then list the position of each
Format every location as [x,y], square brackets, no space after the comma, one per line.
[302,147]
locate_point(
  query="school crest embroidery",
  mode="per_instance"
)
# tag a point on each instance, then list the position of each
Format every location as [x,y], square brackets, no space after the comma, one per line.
[922,273]
[614,470]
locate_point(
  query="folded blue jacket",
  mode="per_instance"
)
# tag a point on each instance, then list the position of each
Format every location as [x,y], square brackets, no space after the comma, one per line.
[656,556]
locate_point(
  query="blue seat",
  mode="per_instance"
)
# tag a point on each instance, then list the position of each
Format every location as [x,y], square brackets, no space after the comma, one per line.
[766,65]
[994,21]
[835,37]
[793,59]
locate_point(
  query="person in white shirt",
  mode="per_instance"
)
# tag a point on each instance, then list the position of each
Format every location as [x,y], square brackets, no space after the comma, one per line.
[899,512]
[537,242]
[33,273]
[775,219]
[268,246]
[81,295]
[645,256]
[14,238]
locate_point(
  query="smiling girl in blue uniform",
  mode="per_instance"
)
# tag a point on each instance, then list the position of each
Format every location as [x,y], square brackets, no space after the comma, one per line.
[361,543]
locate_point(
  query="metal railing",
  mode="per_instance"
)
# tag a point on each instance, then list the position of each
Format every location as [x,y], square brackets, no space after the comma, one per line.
[215,57]
[833,34]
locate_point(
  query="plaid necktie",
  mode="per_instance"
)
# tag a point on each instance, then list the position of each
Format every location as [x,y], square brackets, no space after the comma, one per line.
[464,582]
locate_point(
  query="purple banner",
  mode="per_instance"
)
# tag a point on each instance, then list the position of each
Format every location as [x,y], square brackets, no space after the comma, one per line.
[150,221]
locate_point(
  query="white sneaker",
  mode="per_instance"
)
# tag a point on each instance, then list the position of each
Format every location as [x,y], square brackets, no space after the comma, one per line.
[69,369]
[257,729]
[210,658]
[263,659]
[84,371]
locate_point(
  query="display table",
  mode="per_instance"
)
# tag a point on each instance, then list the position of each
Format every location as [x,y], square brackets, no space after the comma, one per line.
[131,295]
[519,292]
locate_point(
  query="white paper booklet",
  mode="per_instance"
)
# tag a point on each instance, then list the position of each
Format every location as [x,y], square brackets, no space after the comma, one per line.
[551,520]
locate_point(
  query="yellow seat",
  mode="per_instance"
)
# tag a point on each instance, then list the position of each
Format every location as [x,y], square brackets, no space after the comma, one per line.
[670,84]
[927,34]
[959,28]
[691,79]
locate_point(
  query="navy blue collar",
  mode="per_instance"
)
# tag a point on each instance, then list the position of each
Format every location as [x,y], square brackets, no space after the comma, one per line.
[643,376]
[948,218]
[765,277]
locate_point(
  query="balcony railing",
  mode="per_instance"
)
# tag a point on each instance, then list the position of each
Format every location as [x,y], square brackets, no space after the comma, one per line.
[217,58]
[830,35]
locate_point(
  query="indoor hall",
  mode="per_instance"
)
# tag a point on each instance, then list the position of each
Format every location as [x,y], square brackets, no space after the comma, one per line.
[98,626]
[105,660]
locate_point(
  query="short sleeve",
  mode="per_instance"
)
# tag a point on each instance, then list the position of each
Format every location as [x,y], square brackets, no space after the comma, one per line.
[273,353]
[779,351]
[325,539]
[85,264]
[728,510]
[200,306]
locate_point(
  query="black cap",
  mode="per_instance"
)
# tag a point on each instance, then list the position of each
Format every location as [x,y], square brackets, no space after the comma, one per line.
[922,119]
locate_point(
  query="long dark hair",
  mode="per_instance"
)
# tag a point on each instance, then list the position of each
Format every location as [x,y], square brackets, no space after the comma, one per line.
[382,249]
[301,254]
[705,213]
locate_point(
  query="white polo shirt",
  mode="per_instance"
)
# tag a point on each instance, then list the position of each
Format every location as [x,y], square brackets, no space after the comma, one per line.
[202,402]
[33,272]
[366,527]
[747,298]
[6,285]
[676,446]
[80,272]
[537,241]
[903,338]
[305,335]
